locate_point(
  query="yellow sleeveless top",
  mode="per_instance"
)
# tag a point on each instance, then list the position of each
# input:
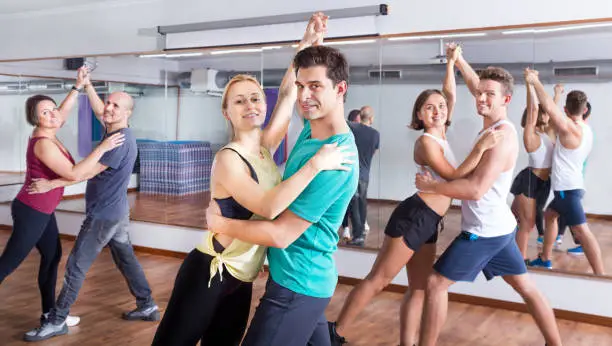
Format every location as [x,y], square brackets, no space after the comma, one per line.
[243,260]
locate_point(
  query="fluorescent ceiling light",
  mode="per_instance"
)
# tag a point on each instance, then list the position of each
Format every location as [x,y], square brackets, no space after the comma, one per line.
[562,28]
[430,37]
[575,27]
[519,32]
[152,55]
[232,51]
[341,43]
[177,55]
[182,55]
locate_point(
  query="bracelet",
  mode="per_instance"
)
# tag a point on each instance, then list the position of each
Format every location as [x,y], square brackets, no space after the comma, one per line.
[75,88]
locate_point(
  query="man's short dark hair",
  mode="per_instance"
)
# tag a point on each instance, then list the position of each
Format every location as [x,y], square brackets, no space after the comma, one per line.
[332,59]
[500,75]
[576,102]
[353,114]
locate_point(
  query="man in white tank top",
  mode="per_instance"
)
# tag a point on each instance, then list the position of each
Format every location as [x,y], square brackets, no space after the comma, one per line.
[486,242]
[574,143]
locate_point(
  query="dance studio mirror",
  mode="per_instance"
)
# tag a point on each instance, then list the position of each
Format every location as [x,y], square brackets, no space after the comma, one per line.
[178,122]
[409,65]
[412,64]
[580,59]
[13,135]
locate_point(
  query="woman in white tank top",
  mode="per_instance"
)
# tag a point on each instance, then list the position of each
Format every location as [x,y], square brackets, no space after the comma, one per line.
[413,226]
[531,187]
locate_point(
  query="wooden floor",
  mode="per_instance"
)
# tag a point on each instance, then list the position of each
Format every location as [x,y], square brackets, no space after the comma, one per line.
[190,211]
[9,178]
[105,295]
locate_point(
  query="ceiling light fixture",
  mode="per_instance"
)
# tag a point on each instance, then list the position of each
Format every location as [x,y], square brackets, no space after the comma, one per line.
[561,28]
[175,55]
[432,37]
[232,51]
[342,43]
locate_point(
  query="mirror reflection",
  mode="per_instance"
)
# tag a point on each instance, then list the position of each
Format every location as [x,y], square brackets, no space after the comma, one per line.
[179,126]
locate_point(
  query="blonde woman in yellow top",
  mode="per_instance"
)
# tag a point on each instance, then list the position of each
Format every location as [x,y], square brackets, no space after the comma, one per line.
[211,298]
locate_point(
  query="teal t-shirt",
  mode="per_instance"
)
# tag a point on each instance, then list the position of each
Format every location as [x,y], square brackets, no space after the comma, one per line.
[307,266]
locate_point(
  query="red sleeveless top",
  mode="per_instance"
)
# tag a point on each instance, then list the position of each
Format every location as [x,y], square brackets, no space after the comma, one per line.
[43,202]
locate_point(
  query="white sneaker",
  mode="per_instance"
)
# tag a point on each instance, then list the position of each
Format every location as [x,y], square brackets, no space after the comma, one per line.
[366,226]
[346,233]
[72,321]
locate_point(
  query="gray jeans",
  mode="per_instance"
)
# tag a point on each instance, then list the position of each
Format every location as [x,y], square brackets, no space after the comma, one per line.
[94,236]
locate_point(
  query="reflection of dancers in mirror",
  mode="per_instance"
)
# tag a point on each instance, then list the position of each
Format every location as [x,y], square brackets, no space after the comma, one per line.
[412,230]
[574,143]
[487,240]
[577,250]
[531,186]
[353,117]
[212,293]
[368,141]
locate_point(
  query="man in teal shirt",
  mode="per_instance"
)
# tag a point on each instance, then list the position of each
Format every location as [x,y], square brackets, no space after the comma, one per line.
[303,273]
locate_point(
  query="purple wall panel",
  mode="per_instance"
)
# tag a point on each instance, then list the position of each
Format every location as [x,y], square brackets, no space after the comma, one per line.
[84,126]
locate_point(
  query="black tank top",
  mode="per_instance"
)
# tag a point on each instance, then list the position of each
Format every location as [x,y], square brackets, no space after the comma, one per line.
[230,208]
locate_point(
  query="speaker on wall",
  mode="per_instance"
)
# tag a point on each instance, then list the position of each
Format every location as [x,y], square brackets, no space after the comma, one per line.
[73,64]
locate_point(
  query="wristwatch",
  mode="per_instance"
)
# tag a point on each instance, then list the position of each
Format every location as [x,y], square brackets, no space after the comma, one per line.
[76,89]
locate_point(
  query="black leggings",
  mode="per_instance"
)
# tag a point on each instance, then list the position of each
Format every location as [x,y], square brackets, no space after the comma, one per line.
[34,228]
[215,315]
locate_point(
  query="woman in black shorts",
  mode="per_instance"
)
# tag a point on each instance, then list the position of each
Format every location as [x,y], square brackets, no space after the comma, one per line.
[531,186]
[412,229]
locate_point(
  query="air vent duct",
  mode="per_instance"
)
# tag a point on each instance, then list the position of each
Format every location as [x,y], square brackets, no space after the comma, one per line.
[386,74]
[588,71]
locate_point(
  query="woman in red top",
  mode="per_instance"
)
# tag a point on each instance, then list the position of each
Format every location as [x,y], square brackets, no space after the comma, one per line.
[34,221]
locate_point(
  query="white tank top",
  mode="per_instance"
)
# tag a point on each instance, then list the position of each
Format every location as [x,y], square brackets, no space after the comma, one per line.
[448,155]
[542,157]
[491,216]
[567,165]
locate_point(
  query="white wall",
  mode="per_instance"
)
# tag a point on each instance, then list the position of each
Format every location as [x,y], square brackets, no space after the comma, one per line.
[155,113]
[115,27]
[201,118]
[14,133]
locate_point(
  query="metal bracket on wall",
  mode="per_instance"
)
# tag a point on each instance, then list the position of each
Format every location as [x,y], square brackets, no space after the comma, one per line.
[373,10]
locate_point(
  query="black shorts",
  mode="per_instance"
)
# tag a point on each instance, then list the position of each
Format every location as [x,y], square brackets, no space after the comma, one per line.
[528,184]
[415,222]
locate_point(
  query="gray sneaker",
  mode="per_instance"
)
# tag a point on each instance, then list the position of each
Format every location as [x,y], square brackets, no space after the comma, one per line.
[45,331]
[145,314]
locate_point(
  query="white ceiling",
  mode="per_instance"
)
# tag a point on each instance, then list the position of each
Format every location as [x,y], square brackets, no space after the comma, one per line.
[10,7]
